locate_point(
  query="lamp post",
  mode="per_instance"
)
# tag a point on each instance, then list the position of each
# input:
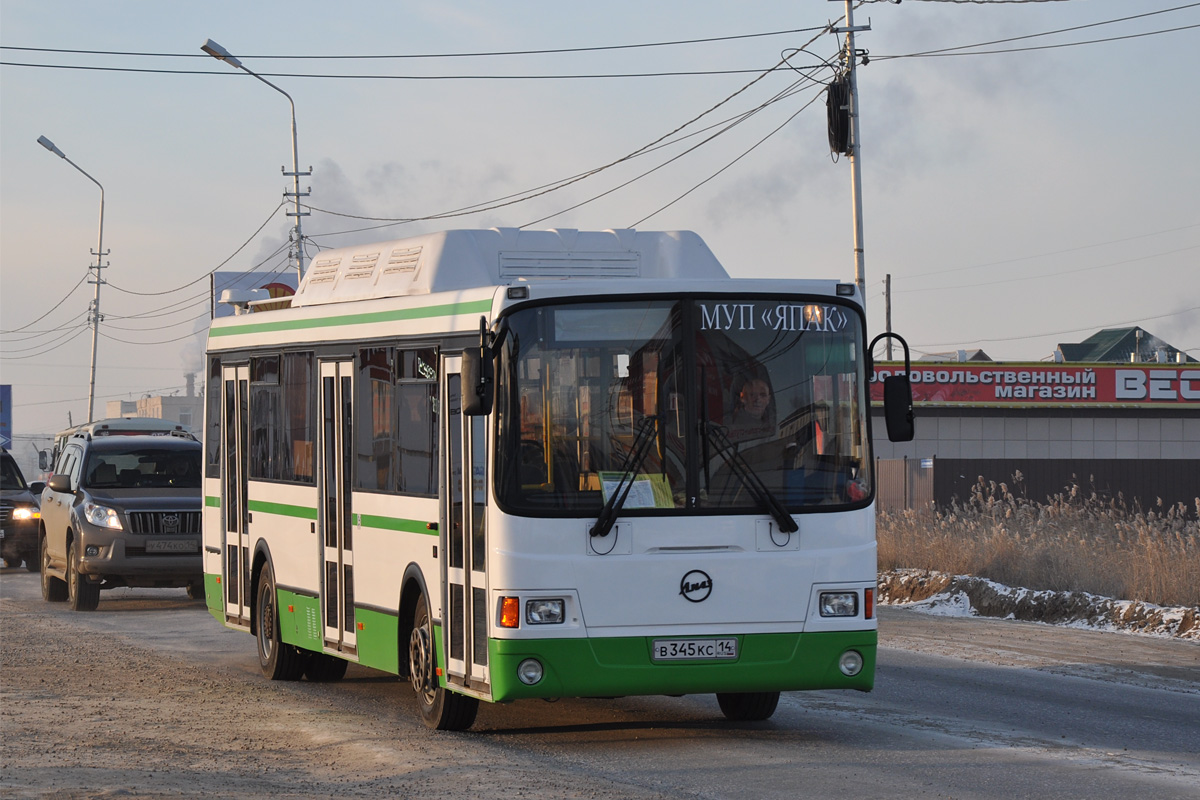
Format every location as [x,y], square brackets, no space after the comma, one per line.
[94,317]
[221,54]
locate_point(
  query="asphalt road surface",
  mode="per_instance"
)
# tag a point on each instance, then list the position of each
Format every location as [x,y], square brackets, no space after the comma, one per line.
[148,696]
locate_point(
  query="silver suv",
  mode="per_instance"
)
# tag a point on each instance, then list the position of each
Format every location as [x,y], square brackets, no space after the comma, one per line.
[121,511]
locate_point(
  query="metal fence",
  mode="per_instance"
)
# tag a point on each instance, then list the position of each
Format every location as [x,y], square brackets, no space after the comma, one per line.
[904,483]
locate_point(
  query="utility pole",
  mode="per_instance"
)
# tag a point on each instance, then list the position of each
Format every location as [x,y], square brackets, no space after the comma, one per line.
[848,57]
[887,311]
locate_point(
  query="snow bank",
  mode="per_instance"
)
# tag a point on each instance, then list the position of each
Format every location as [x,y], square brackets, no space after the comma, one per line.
[963,595]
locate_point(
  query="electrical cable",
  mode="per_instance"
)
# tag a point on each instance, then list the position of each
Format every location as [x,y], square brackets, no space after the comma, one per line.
[551,51]
[327,76]
[1137,321]
[64,331]
[211,271]
[547,188]
[52,308]
[1052,253]
[62,343]
[1044,275]
[727,166]
[1045,46]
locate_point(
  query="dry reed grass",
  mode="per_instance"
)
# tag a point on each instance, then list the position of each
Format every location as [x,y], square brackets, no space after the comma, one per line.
[1076,541]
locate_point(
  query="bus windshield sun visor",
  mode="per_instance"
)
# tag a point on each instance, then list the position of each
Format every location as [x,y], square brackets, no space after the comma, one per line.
[637,454]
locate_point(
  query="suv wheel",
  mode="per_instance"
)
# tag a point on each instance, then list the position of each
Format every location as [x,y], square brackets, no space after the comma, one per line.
[81,594]
[53,589]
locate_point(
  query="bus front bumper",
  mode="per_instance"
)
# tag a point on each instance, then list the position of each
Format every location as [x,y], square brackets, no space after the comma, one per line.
[622,666]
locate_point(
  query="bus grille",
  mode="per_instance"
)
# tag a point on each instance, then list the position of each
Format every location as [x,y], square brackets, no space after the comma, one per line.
[163,521]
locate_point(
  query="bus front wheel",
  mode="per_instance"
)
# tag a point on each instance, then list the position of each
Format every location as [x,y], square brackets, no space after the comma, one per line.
[747,706]
[441,709]
[278,661]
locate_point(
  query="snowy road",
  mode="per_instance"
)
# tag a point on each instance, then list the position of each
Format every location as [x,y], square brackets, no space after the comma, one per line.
[963,708]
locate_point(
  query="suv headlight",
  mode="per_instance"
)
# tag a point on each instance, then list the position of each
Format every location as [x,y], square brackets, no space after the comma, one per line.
[102,516]
[25,513]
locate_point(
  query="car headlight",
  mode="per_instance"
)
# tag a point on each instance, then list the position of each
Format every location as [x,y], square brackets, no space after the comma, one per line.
[25,513]
[102,516]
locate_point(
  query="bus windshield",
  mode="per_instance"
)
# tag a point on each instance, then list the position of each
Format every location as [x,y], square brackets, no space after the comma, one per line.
[701,404]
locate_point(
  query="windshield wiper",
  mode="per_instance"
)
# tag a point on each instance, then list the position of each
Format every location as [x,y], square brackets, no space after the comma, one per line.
[745,473]
[629,471]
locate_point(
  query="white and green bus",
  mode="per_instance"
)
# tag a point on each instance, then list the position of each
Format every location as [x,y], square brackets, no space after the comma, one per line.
[511,464]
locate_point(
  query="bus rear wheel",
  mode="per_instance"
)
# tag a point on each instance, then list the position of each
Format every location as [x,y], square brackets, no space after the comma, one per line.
[441,709]
[278,661]
[747,706]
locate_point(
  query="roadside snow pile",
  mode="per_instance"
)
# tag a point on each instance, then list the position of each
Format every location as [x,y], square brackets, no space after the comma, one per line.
[964,595]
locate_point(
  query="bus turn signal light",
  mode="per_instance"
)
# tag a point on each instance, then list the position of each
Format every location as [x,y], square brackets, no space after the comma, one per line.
[869,604]
[510,612]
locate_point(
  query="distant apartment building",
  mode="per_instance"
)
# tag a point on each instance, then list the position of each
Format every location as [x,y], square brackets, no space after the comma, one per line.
[186,409]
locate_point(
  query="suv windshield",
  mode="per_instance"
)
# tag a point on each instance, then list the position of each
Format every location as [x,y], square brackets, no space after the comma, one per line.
[10,476]
[734,404]
[146,467]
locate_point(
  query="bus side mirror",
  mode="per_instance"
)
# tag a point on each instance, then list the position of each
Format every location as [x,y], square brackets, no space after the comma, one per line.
[44,462]
[897,393]
[478,378]
[898,408]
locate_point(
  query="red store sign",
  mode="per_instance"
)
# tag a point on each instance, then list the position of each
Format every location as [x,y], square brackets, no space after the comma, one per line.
[998,384]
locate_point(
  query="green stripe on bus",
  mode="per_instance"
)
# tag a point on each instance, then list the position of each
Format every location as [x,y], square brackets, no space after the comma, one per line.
[282,509]
[396,524]
[212,502]
[604,667]
[396,315]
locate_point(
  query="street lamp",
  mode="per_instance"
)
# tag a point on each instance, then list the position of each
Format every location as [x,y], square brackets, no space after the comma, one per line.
[221,54]
[94,317]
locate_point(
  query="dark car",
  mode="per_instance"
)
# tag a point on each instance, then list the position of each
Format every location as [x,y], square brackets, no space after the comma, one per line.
[19,515]
[122,511]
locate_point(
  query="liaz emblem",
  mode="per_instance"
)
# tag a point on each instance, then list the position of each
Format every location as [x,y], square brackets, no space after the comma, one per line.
[696,586]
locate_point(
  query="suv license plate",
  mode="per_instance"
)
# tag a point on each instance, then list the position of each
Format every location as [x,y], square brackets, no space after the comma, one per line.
[171,546]
[694,649]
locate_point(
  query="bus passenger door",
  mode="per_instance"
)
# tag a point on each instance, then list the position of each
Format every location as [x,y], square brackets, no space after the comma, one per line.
[235,545]
[464,542]
[334,441]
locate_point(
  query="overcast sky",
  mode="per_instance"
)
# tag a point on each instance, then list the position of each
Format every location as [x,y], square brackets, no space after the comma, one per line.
[1018,199]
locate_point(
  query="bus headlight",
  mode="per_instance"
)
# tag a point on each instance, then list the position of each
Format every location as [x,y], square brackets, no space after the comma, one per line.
[530,671]
[851,663]
[544,611]
[839,604]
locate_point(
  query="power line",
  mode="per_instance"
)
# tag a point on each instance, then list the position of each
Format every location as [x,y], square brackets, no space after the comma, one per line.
[519,197]
[103,396]
[52,308]
[745,153]
[1051,253]
[1047,33]
[1043,46]
[1072,330]
[468,77]
[365,57]
[211,271]
[61,343]
[1042,276]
